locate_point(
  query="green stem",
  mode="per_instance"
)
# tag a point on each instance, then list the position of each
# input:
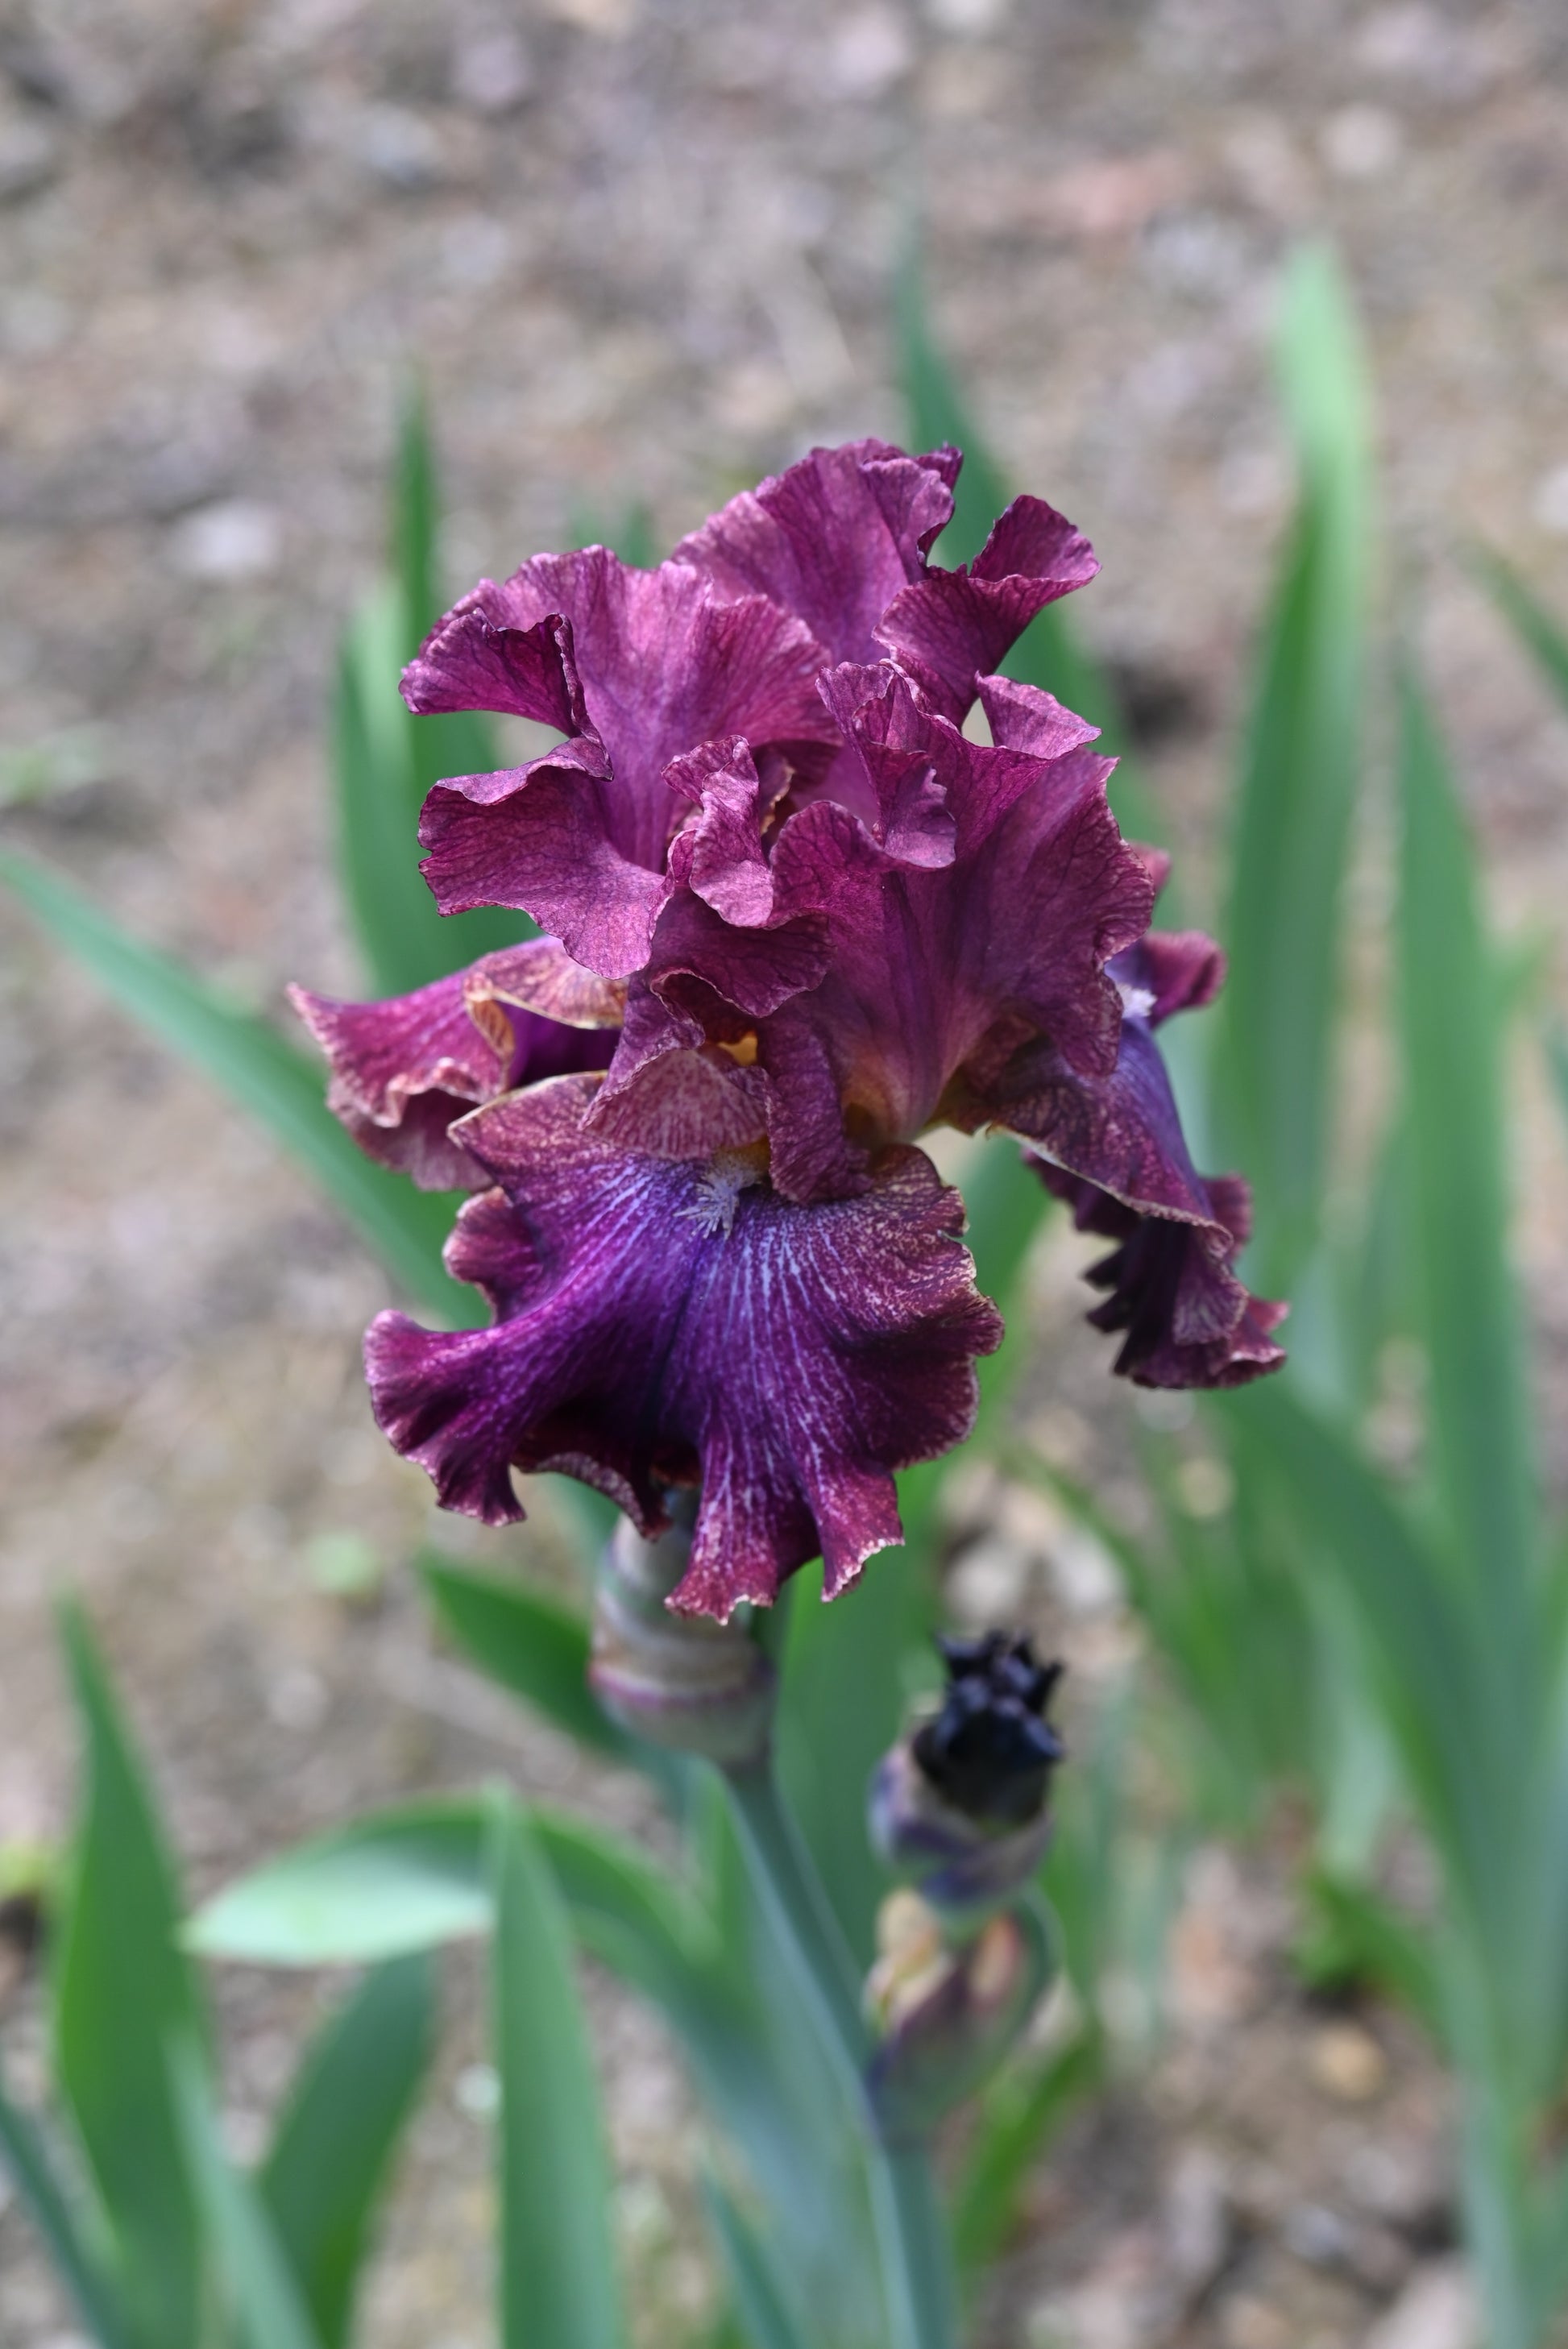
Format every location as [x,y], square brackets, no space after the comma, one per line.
[910,2230]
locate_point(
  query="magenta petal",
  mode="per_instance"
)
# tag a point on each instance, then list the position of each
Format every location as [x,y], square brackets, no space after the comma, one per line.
[672,1094]
[1026,718]
[719,853]
[542,837]
[475,659]
[674,1322]
[953,627]
[579,837]
[939,975]
[404,1070]
[834,539]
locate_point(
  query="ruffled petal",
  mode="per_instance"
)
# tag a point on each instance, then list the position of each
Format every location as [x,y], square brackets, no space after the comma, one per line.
[661,1322]
[951,627]
[663,664]
[1114,1150]
[404,1070]
[939,975]
[543,838]
[834,539]
[476,659]
[1188,1322]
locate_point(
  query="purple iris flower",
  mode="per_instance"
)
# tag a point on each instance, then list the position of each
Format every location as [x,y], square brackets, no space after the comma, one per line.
[797,917]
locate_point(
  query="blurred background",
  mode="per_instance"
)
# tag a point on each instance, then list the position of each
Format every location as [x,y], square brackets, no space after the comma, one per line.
[640,252]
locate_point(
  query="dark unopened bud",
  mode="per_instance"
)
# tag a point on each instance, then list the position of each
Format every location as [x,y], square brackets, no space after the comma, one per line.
[990,1751]
[960,1805]
[678,1680]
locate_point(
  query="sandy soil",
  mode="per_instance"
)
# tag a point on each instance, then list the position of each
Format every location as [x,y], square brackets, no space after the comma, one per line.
[642,251]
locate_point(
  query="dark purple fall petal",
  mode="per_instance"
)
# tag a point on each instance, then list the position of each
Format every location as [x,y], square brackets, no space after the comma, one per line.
[404,1070]
[1113,1149]
[662,1322]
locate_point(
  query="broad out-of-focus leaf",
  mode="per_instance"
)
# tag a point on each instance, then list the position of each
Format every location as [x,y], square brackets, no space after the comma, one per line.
[1299,773]
[334,2146]
[27,2160]
[841,1703]
[1420,1645]
[559,2285]
[397,1881]
[531,1643]
[283,1088]
[1478,1396]
[415,1876]
[266,2304]
[122,1990]
[767,2318]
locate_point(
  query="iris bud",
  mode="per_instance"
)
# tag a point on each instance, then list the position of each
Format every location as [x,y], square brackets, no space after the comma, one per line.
[960,1805]
[683,1682]
[947,2015]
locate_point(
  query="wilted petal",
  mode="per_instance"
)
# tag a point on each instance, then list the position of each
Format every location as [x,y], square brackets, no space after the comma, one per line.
[661,1322]
[951,627]
[405,1068]
[834,539]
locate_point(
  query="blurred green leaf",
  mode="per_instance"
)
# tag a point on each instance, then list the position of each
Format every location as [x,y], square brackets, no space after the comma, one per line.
[25,2154]
[840,1703]
[400,1880]
[1537,630]
[1557,1060]
[531,1643]
[631,536]
[1420,1646]
[334,2146]
[415,1876]
[122,1990]
[1019,2116]
[559,2286]
[767,2319]
[280,1087]
[1299,776]
[267,2305]
[384,760]
[1478,1397]
[416,522]
[1354,1937]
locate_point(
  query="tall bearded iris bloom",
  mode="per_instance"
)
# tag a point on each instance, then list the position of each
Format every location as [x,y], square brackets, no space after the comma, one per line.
[796,917]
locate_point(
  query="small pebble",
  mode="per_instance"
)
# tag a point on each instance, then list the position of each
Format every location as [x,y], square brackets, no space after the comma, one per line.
[1437,2310]
[1347,2064]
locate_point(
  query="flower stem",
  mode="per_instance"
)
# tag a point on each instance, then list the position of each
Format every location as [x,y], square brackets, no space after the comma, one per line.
[910,2232]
